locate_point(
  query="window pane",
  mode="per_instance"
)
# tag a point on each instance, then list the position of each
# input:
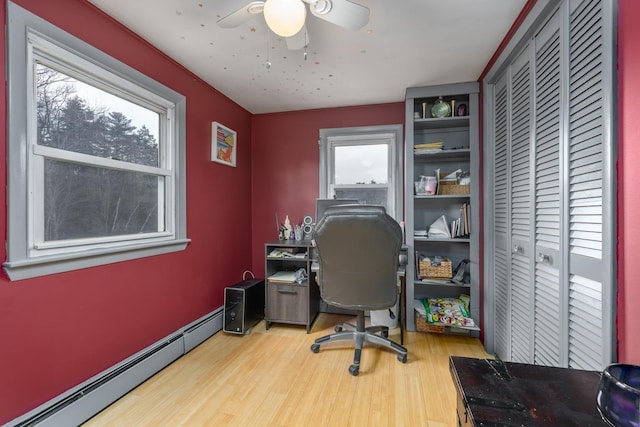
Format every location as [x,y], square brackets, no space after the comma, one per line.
[368,196]
[361,164]
[86,201]
[78,117]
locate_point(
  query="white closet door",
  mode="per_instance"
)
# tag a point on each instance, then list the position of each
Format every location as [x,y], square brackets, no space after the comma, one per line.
[501,302]
[521,216]
[548,215]
[588,347]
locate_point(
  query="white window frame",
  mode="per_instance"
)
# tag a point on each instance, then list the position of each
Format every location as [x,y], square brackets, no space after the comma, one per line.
[33,40]
[389,135]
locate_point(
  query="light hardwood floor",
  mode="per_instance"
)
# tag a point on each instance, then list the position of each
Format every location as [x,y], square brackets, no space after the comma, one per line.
[271,378]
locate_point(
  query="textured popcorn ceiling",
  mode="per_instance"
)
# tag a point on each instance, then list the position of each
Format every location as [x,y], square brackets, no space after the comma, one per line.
[406,43]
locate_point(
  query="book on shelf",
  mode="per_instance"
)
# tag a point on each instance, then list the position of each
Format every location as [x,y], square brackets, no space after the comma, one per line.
[428,148]
[417,265]
[298,255]
[286,253]
[442,228]
[279,252]
[283,276]
[460,225]
[463,221]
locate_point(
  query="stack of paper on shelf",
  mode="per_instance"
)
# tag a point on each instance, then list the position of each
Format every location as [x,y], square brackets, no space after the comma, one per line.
[283,276]
[299,255]
[453,176]
[440,229]
[427,148]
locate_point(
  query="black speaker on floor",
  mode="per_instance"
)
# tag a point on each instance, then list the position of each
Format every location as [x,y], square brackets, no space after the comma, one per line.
[243,305]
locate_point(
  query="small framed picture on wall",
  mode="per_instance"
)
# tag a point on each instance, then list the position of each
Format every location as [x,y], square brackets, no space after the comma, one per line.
[224,144]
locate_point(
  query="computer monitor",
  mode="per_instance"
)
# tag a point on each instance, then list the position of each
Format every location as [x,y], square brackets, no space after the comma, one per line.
[323,204]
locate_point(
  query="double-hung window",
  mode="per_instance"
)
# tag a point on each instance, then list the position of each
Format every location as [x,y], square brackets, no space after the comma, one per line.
[363,163]
[96,155]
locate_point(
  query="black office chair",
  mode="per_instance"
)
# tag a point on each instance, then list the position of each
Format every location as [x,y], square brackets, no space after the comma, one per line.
[358,248]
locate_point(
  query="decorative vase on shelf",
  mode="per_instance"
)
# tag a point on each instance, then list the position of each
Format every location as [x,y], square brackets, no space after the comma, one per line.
[440,109]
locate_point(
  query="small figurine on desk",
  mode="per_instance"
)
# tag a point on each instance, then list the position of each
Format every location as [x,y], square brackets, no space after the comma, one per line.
[288,232]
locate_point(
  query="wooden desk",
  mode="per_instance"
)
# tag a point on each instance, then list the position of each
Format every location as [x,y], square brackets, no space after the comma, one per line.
[503,394]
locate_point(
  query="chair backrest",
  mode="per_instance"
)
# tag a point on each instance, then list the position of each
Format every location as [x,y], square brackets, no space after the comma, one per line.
[358,248]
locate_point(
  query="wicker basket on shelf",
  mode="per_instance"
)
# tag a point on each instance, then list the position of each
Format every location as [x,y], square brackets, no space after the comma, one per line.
[423,326]
[451,187]
[442,271]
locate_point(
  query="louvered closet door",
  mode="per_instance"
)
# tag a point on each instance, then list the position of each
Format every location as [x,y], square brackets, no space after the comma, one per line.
[588,348]
[521,216]
[501,285]
[553,209]
[548,215]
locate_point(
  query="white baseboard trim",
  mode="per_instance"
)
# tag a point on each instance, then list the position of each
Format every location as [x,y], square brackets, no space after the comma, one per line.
[82,402]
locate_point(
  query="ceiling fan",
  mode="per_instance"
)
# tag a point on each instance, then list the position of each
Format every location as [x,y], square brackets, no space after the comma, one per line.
[287,17]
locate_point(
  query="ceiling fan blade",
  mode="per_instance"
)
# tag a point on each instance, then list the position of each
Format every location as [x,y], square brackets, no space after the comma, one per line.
[298,40]
[242,15]
[341,12]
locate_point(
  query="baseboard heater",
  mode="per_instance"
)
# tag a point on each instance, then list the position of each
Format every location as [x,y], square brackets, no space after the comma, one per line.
[82,402]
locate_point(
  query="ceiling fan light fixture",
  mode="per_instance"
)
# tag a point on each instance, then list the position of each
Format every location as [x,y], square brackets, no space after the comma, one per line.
[322,7]
[285,17]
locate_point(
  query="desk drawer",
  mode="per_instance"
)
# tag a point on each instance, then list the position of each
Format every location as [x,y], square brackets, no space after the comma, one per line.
[287,302]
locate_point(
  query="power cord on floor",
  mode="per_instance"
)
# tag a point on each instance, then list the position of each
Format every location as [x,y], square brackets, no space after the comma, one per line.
[244,274]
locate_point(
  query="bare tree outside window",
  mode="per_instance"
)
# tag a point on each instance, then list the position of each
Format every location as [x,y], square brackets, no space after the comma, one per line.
[86,201]
[96,155]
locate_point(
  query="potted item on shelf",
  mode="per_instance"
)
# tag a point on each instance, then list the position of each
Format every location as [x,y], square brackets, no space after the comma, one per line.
[440,108]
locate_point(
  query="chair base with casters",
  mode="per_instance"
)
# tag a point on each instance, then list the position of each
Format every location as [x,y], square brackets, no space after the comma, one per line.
[361,334]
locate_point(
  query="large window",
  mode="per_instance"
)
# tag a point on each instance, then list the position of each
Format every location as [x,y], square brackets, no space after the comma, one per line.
[363,163]
[96,155]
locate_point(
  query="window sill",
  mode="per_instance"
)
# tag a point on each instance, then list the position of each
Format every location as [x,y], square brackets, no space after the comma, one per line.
[36,267]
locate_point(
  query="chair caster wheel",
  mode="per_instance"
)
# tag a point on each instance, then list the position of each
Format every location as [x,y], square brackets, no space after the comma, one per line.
[354,370]
[402,358]
[338,329]
[384,333]
[315,348]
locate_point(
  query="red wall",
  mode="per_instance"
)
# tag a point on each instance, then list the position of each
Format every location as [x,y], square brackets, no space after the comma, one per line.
[629,177]
[59,330]
[285,170]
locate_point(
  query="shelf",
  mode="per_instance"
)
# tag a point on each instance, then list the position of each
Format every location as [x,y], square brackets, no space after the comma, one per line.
[441,123]
[303,284]
[459,139]
[444,196]
[446,285]
[455,328]
[458,154]
[439,240]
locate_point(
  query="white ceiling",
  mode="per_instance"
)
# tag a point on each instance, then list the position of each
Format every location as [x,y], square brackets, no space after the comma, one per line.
[407,43]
